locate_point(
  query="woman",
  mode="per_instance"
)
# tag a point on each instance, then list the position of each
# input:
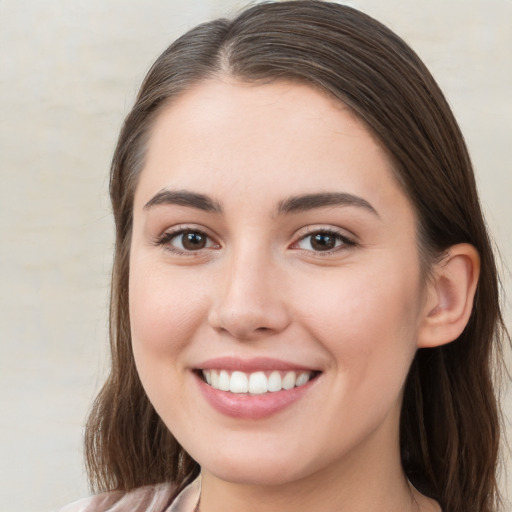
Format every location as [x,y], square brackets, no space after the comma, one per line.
[305,309]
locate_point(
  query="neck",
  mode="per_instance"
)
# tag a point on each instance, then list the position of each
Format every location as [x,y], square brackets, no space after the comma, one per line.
[324,497]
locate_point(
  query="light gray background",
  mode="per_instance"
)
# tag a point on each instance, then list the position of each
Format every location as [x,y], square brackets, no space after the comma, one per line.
[69,70]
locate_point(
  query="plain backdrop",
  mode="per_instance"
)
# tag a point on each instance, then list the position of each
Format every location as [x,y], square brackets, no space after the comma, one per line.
[69,71]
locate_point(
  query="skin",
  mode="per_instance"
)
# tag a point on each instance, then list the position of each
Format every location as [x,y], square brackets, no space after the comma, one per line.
[260,288]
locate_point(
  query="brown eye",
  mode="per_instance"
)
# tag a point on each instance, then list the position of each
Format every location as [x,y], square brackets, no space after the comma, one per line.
[186,241]
[323,241]
[193,240]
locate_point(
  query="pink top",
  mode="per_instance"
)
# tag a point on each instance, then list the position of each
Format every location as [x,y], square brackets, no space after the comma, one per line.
[152,498]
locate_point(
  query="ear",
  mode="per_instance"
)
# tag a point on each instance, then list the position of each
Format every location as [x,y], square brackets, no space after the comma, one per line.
[449,296]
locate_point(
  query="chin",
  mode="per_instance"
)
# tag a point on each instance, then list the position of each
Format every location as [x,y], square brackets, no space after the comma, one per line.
[267,466]
[261,474]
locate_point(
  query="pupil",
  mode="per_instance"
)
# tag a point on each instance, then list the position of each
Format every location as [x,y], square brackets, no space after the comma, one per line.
[193,241]
[323,242]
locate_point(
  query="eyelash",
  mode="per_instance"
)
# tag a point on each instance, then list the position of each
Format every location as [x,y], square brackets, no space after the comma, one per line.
[166,238]
[309,232]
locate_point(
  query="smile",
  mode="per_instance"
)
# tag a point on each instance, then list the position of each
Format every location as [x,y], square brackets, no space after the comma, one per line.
[253,389]
[255,383]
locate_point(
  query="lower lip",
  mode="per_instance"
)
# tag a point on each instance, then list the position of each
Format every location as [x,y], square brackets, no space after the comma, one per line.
[254,407]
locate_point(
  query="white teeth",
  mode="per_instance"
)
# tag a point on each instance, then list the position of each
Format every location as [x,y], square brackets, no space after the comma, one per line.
[274,382]
[302,378]
[214,377]
[289,380]
[239,383]
[255,383]
[224,380]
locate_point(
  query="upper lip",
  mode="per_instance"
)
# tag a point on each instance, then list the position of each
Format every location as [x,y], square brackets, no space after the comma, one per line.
[251,365]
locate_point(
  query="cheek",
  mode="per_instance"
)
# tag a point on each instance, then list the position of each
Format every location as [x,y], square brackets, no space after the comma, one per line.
[165,310]
[368,319]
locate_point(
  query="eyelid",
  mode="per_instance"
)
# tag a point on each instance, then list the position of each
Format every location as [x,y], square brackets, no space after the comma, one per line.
[169,234]
[348,240]
[164,239]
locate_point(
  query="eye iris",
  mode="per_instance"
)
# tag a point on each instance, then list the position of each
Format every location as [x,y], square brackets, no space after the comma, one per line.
[323,242]
[193,241]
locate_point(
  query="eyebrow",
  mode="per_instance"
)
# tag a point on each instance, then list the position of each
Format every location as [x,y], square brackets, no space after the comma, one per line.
[321,200]
[294,204]
[184,198]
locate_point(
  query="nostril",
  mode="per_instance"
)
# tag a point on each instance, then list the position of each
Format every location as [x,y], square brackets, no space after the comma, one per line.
[244,316]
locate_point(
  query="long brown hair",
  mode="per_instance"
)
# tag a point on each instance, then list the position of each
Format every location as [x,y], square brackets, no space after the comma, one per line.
[450,420]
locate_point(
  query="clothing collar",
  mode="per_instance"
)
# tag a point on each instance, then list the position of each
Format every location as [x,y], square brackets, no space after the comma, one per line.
[188,499]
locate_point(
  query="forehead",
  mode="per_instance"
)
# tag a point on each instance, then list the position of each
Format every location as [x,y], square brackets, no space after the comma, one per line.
[235,109]
[222,134]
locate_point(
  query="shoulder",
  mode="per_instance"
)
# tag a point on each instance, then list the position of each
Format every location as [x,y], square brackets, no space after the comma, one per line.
[151,498]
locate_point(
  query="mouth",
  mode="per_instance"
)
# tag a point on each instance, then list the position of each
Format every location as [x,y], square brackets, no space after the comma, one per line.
[259,382]
[253,389]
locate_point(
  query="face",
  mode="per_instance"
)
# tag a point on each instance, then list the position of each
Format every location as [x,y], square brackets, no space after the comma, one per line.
[275,284]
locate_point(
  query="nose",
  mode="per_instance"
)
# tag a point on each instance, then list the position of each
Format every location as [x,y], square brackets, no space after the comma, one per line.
[250,302]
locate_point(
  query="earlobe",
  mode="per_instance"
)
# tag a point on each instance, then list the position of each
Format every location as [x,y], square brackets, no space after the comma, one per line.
[450,296]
